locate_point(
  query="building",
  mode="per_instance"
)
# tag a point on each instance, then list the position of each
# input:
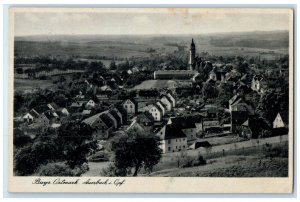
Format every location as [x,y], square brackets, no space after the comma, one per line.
[136,126]
[172,98]
[90,104]
[186,124]
[172,139]
[130,106]
[192,62]
[189,74]
[281,120]
[167,102]
[259,84]
[156,112]
[146,121]
[175,74]
[102,125]
[162,106]
[253,127]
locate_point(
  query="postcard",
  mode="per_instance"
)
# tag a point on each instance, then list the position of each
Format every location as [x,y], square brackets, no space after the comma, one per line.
[151,100]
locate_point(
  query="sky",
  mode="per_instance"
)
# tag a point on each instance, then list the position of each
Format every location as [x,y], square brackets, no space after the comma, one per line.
[138,22]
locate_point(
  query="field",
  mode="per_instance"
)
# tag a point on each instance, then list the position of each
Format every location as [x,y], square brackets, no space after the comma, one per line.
[265,44]
[30,84]
[159,84]
[233,166]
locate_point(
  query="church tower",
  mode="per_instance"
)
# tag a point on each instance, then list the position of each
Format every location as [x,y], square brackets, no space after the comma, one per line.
[192,56]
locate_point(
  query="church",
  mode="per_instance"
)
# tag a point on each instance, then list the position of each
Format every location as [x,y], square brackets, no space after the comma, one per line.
[189,74]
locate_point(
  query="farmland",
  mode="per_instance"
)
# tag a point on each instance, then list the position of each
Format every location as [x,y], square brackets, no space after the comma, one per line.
[267,44]
[158,84]
[30,84]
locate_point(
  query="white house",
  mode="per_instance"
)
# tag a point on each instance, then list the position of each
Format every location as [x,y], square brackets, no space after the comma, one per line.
[162,107]
[156,112]
[90,104]
[130,106]
[63,111]
[172,139]
[172,98]
[28,118]
[279,121]
[167,101]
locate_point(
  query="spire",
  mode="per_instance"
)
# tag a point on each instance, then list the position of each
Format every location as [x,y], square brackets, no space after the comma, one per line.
[192,41]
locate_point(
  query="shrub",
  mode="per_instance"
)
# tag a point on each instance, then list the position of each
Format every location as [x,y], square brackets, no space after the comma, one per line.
[190,162]
[61,169]
[112,171]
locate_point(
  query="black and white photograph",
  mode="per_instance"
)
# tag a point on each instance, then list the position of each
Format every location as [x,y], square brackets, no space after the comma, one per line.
[152,93]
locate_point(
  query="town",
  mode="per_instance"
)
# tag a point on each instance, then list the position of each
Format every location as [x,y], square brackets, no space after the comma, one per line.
[202,107]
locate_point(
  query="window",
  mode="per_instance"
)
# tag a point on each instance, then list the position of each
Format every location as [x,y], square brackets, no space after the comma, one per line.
[183,146]
[169,141]
[176,140]
[155,114]
[176,147]
[131,106]
[161,132]
[169,148]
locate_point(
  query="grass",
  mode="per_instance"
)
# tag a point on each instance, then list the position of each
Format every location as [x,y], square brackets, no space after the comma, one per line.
[159,84]
[29,84]
[233,166]
[255,159]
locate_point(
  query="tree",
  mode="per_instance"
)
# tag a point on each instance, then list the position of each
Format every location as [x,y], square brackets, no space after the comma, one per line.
[20,70]
[135,151]
[113,65]
[95,66]
[20,140]
[76,142]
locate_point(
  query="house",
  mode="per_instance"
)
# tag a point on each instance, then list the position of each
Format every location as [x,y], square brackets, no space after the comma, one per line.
[167,102]
[239,114]
[162,106]
[135,126]
[86,112]
[102,125]
[113,120]
[76,105]
[52,106]
[130,106]
[156,112]
[186,124]
[259,84]
[281,120]
[117,116]
[172,98]
[90,104]
[210,124]
[252,127]
[63,112]
[172,139]
[146,121]
[28,117]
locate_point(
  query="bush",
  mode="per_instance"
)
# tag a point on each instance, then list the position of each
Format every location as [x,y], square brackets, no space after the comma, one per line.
[61,169]
[190,162]
[113,171]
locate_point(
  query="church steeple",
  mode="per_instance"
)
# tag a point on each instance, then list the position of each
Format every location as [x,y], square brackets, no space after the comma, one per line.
[192,56]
